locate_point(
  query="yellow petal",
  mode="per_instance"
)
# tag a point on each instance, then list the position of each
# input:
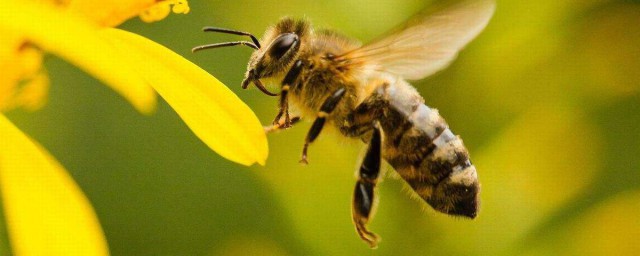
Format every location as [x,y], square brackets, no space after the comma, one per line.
[162,9]
[212,111]
[46,212]
[78,42]
[156,12]
[23,82]
[11,73]
[32,94]
[109,13]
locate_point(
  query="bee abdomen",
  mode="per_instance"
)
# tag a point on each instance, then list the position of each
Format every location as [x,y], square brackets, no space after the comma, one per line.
[448,157]
[425,152]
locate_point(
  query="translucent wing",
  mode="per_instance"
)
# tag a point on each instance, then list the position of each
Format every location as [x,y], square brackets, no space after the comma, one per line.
[429,42]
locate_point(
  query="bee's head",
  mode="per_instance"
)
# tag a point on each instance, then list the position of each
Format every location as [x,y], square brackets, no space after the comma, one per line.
[458,194]
[273,54]
[280,46]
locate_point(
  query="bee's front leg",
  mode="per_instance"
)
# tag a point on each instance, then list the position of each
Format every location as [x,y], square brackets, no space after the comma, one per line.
[287,82]
[281,125]
[364,200]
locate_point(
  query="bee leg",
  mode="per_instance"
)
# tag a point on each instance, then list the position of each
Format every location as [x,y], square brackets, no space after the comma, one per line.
[281,125]
[327,107]
[364,200]
[283,107]
[287,82]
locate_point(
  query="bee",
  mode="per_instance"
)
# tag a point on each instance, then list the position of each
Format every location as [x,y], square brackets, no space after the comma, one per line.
[362,90]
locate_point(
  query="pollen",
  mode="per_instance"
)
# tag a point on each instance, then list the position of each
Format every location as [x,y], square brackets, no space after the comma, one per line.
[162,9]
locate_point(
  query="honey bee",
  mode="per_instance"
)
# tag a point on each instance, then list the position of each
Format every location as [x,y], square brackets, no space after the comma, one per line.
[363,91]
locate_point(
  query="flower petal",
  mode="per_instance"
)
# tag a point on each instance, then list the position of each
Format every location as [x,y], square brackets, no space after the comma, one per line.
[75,40]
[212,111]
[24,83]
[46,212]
[109,13]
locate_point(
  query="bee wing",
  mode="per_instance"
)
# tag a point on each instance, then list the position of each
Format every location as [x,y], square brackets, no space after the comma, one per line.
[429,42]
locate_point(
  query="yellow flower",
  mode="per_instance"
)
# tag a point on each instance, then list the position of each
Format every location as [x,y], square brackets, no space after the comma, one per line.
[80,32]
[216,115]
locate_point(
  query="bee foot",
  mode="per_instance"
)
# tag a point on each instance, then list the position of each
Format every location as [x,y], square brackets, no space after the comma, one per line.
[367,236]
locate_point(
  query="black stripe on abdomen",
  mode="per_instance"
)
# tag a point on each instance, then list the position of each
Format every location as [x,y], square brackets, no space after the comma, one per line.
[421,147]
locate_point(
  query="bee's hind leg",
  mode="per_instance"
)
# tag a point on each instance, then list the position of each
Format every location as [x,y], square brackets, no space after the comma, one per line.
[364,198]
[327,107]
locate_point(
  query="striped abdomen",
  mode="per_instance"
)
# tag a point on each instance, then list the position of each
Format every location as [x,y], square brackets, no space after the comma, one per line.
[428,156]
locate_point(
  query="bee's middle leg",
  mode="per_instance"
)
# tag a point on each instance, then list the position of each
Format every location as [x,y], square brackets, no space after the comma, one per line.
[327,107]
[364,201]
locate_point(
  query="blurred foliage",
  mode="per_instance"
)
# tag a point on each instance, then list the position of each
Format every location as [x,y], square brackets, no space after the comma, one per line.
[546,100]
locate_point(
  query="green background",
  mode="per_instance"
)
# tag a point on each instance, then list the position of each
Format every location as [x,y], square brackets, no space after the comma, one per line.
[546,100]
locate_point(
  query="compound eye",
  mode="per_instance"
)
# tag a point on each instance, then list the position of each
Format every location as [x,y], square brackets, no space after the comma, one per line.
[282,44]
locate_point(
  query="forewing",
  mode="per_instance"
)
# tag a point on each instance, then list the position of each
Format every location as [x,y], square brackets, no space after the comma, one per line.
[429,42]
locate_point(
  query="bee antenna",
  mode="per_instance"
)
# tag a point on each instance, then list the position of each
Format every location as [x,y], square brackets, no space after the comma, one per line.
[218,45]
[234,32]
